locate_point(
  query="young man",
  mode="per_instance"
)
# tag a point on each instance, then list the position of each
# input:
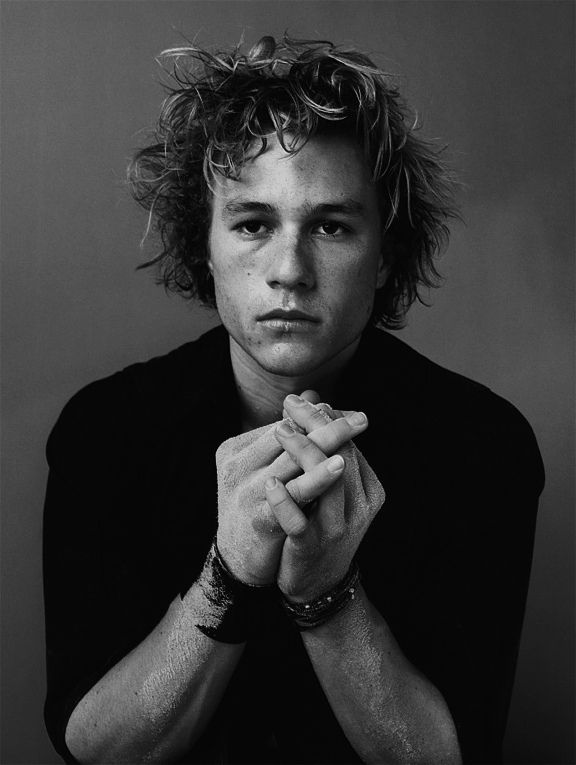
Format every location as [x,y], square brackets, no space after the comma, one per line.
[238,573]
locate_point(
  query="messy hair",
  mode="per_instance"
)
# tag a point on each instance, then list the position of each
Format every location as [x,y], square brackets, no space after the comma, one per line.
[220,106]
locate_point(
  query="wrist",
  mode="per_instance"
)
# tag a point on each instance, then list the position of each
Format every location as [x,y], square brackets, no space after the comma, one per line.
[251,566]
[307,615]
[236,607]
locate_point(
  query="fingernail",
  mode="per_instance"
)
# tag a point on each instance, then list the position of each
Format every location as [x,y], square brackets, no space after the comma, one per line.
[357,419]
[294,400]
[335,464]
[270,483]
[285,429]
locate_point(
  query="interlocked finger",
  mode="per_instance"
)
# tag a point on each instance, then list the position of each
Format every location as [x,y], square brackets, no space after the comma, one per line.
[304,452]
[290,517]
[326,410]
[314,483]
[304,414]
[284,501]
[302,449]
[329,438]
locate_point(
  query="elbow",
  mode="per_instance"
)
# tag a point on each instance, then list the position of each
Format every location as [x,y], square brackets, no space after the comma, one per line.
[90,741]
[90,744]
[437,736]
[83,741]
[432,745]
[429,753]
[440,746]
[426,735]
[445,754]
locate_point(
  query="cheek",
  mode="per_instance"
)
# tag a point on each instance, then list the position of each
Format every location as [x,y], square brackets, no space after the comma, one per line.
[228,264]
[233,287]
[357,291]
[357,282]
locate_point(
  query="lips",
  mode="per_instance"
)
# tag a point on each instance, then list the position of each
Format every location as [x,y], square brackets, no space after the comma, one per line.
[288,323]
[287,315]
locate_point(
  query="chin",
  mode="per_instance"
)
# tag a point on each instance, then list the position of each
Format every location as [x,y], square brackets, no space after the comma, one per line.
[291,362]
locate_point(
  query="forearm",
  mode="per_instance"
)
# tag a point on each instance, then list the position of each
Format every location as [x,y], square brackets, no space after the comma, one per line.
[155,702]
[388,711]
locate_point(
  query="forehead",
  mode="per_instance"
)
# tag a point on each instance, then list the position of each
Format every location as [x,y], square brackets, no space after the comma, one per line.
[328,169]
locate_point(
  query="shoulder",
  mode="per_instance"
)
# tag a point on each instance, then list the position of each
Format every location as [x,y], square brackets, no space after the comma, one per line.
[459,413]
[118,406]
[431,388]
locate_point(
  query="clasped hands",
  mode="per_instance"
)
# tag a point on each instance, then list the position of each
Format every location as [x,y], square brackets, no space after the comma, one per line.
[265,479]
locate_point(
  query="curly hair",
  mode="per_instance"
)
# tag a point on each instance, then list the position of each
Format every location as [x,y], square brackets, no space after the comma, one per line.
[220,105]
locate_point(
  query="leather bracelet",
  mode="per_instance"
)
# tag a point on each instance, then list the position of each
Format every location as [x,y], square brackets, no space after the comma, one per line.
[306,616]
[236,607]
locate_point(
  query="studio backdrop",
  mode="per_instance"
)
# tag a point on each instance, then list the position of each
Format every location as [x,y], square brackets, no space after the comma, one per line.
[492,80]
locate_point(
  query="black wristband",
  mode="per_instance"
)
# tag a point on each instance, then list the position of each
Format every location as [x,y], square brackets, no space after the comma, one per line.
[236,607]
[306,616]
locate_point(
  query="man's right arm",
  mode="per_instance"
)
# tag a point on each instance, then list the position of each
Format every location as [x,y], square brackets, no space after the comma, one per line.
[154,700]
[154,703]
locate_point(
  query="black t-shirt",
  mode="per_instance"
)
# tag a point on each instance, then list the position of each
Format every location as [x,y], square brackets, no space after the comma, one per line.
[131,511]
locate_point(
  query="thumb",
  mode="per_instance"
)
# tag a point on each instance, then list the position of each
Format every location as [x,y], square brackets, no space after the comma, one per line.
[314,398]
[311,395]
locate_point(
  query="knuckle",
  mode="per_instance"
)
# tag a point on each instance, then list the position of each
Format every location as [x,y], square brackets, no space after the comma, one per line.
[334,436]
[347,450]
[296,493]
[284,503]
[286,464]
[307,447]
[227,471]
[295,526]
[320,417]
[329,414]
[342,430]
[222,453]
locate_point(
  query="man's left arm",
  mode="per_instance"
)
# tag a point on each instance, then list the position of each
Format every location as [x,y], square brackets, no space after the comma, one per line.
[387,709]
[462,630]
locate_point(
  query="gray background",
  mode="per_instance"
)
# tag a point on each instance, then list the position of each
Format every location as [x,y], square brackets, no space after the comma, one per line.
[494,80]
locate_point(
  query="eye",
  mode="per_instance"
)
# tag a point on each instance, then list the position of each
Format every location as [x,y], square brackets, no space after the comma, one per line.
[331,228]
[252,227]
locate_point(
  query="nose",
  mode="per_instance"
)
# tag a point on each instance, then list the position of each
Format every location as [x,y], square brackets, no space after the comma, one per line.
[290,266]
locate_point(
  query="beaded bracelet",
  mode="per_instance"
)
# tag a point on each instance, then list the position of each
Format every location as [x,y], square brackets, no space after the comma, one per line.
[306,616]
[236,607]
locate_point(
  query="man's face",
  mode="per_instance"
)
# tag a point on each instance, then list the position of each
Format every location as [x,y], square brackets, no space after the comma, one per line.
[295,251]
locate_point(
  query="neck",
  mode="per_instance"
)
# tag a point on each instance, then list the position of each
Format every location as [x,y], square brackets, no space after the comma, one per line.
[262,393]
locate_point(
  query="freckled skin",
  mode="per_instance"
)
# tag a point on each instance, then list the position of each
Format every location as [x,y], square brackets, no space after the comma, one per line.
[288,257]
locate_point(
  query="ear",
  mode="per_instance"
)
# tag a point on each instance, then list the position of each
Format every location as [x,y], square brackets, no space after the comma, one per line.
[209,261]
[388,249]
[383,271]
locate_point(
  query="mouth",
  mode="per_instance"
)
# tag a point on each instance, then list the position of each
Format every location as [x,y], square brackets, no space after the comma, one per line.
[281,320]
[287,315]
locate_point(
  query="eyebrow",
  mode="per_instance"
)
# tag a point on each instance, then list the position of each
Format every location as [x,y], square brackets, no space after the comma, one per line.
[237,207]
[347,207]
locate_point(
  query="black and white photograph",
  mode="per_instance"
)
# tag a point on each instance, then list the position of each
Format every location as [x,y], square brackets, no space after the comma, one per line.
[288,382]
